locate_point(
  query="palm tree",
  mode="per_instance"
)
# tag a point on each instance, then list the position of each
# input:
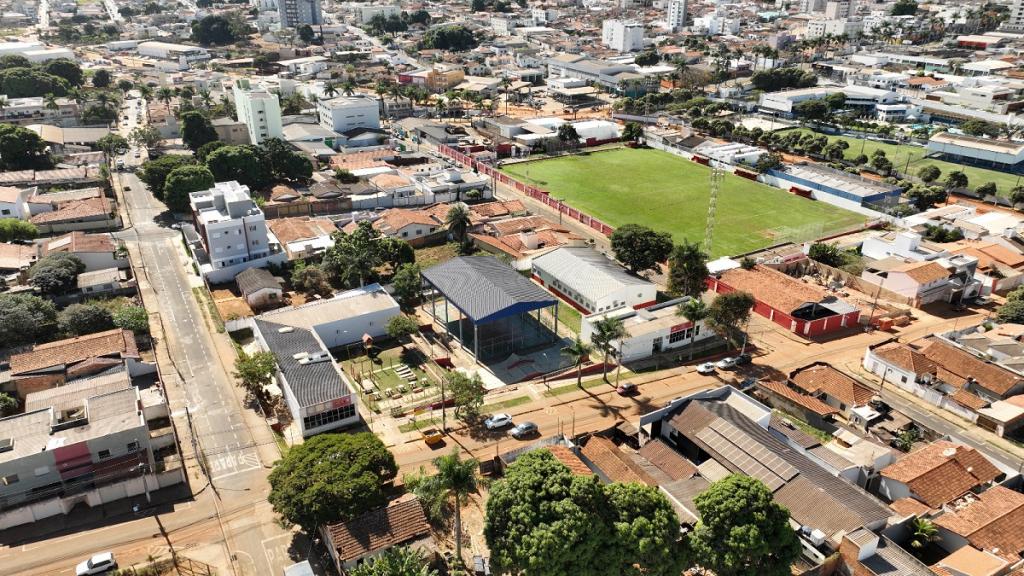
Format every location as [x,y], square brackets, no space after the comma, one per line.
[205,98]
[505,83]
[607,330]
[694,310]
[922,532]
[381,89]
[51,101]
[330,90]
[440,107]
[145,91]
[402,561]
[578,351]
[348,87]
[165,95]
[75,94]
[458,221]
[455,479]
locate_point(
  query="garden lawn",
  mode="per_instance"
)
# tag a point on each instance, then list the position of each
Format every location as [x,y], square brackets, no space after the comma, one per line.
[899,154]
[670,194]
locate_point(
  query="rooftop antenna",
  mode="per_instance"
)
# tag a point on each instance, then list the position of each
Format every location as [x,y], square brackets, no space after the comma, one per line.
[715,183]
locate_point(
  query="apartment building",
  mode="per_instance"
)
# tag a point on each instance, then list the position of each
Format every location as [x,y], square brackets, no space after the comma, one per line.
[294,13]
[368,11]
[676,14]
[258,109]
[349,112]
[230,232]
[834,27]
[622,36]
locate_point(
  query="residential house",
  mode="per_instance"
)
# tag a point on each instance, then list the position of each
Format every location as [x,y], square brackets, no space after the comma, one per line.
[791,401]
[591,281]
[990,521]
[921,283]
[958,368]
[523,247]
[863,553]
[96,251]
[105,282]
[417,227]
[259,288]
[802,308]
[91,214]
[1000,267]
[937,474]
[14,202]
[401,523]
[612,464]
[15,258]
[836,389]
[303,237]
[54,363]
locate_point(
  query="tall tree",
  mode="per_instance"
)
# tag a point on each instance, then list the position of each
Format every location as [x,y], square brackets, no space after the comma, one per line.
[331,478]
[742,530]
[354,258]
[407,284]
[80,319]
[467,394]
[241,163]
[729,313]
[196,130]
[255,372]
[184,180]
[607,331]
[458,221]
[694,310]
[154,172]
[22,149]
[577,351]
[455,480]
[687,270]
[639,247]
[55,273]
[25,318]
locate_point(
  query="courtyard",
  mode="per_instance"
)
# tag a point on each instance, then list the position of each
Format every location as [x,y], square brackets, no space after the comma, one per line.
[670,194]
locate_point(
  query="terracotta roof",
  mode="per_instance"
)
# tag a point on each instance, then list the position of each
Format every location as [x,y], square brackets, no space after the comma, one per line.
[968,399]
[75,210]
[79,242]
[394,219]
[301,228]
[962,365]
[379,529]
[942,472]
[17,256]
[808,402]
[825,379]
[905,357]
[282,193]
[909,507]
[915,80]
[357,160]
[615,465]
[775,289]
[514,225]
[993,521]
[495,209]
[923,272]
[666,459]
[73,350]
[987,252]
[571,460]
[390,181]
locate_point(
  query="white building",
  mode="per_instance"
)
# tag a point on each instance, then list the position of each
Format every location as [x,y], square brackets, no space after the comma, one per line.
[836,10]
[295,13]
[676,14]
[834,27]
[622,36]
[258,109]
[36,52]
[184,54]
[591,281]
[649,330]
[14,202]
[1015,23]
[233,232]
[716,25]
[343,319]
[982,150]
[348,112]
[368,11]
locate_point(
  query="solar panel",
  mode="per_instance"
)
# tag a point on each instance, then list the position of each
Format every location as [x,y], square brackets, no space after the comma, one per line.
[740,458]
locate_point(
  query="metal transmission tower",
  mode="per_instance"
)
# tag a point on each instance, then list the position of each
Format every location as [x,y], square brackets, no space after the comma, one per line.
[716,181]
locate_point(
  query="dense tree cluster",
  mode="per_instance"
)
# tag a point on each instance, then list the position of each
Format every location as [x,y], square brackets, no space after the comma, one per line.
[454,38]
[639,248]
[218,30]
[782,78]
[55,273]
[25,318]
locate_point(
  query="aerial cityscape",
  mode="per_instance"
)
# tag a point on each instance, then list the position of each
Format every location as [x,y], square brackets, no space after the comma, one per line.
[522,287]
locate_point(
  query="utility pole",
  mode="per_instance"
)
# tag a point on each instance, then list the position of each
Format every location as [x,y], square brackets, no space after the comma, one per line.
[717,174]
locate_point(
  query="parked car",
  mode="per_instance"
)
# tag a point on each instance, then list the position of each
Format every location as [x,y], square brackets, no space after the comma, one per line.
[496,421]
[627,389]
[98,564]
[523,429]
[743,359]
[706,368]
[432,436]
[747,384]
[726,363]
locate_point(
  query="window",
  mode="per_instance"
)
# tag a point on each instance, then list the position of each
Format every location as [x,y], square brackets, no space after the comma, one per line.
[328,417]
[103,454]
[679,336]
[12,479]
[133,446]
[405,234]
[5,211]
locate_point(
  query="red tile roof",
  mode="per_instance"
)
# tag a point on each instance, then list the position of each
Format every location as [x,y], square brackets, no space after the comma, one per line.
[809,403]
[960,365]
[75,210]
[993,521]
[666,459]
[942,472]
[823,378]
[615,465]
[909,507]
[119,343]
[774,288]
[906,358]
[379,529]
[571,460]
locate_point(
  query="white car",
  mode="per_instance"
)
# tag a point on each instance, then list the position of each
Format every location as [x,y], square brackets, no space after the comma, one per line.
[726,363]
[98,564]
[497,421]
[706,368]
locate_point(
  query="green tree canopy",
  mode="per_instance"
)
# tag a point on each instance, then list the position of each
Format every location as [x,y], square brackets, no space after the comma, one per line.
[22,149]
[214,30]
[80,319]
[639,247]
[467,393]
[354,258]
[742,531]
[311,280]
[196,130]
[331,478]
[407,284]
[687,270]
[956,179]
[256,371]
[929,173]
[145,136]
[26,82]
[813,109]
[729,313]
[904,8]
[8,404]
[454,38]
[13,229]
[400,561]
[101,79]
[206,149]
[633,132]
[66,69]
[782,78]
[283,162]
[184,180]
[131,317]
[828,254]
[25,319]
[56,273]
[154,172]
[400,326]
[241,163]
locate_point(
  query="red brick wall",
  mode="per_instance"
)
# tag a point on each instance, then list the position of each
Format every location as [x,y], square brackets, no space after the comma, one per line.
[28,384]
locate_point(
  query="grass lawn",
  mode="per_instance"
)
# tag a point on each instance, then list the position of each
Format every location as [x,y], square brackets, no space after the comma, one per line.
[899,154]
[670,194]
[504,404]
[419,425]
[569,316]
[431,255]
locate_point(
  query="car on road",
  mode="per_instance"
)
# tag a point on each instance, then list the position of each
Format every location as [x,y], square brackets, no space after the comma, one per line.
[98,564]
[706,368]
[432,436]
[496,421]
[743,359]
[119,164]
[746,384]
[726,363]
[523,430]
[627,389]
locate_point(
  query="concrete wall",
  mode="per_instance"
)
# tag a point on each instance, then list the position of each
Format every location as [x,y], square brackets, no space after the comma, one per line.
[61,227]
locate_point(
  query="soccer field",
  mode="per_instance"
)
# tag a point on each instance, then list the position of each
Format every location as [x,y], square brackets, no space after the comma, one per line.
[670,194]
[900,154]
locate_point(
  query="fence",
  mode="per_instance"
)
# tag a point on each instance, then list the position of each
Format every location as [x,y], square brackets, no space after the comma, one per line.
[531,191]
